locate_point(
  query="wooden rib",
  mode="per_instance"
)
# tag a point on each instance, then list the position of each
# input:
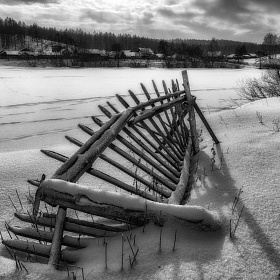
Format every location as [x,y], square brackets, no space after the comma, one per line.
[166,173]
[49,220]
[192,121]
[65,167]
[113,107]
[156,112]
[215,139]
[105,177]
[172,131]
[171,110]
[143,136]
[47,236]
[33,248]
[157,150]
[118,150]
[171,159]
[165,193]
[146,158]
[68,226]
[108,211]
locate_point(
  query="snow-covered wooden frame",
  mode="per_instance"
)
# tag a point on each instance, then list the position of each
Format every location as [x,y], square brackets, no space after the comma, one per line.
[160,136]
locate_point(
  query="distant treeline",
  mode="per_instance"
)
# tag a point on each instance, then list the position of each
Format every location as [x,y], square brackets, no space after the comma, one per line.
[13,36]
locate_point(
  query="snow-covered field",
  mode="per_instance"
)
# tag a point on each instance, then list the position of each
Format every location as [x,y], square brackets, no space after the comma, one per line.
[39,106]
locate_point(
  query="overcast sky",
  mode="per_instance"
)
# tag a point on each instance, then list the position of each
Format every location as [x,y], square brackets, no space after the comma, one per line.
[241,20]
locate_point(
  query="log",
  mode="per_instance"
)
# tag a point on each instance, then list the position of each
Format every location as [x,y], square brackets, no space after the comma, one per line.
[178,195]
[205,123]
[143,156]
[129,209]
[103,210]
[48,220]
[118,150]
[65,167]
[172,131]
[33,248]
[170,158]
[191,113]
[47,236]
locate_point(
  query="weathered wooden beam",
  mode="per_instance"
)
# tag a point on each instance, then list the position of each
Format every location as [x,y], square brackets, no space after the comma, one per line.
[171,158]
[215,139]
[155,111]
[160,179]
[156,149]
[148,113]
[165,193]
[172,112]
[172,131]
[191,112]
[178,195]
[42,235]
[73,159]
[113,107]
[105,177]
[112,212]
[48,220]
[33,248]
[143,156]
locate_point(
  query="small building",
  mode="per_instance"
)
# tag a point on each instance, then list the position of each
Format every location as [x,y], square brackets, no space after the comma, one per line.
[145,52]
[232,56]
[56,48]
[214,54]
[128,54]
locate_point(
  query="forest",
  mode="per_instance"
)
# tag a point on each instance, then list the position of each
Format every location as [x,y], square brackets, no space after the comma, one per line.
[13,36]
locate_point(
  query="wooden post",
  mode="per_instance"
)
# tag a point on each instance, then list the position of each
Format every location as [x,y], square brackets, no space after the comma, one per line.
[191,112]
[178,195]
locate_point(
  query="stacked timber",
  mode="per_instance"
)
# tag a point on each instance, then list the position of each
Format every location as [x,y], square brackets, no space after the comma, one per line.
[156,136]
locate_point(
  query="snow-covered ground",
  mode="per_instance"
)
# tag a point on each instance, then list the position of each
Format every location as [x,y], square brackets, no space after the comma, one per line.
[40,106]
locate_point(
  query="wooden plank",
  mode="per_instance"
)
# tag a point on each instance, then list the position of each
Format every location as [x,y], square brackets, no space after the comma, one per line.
[33,248]
[171,159]
[105,177]
[65,167]
[143,156]
[155,111]
[215,139]
[172,131]
[118,150]
[178,195]
[48,220]
[112,212]
[42,235]
[191,113]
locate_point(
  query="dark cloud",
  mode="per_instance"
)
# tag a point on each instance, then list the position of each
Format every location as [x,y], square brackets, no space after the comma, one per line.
[98,16]
[166,12]
[28,2]
[146,18]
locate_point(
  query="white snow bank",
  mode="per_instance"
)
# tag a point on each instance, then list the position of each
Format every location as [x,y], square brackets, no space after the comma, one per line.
[195,214]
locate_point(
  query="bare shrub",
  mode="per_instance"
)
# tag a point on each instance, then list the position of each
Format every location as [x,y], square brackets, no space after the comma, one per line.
[266,86]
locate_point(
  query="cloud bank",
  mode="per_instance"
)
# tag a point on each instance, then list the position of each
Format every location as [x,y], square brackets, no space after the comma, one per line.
[243,20]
